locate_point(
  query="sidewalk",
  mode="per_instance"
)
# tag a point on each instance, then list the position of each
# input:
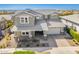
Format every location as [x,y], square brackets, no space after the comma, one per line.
[63,50]
[50,50]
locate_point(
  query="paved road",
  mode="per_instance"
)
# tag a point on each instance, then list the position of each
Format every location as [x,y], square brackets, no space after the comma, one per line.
[50,50]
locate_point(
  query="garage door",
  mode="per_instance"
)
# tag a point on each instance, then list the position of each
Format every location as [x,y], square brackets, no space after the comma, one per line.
[54,31]
[38,33]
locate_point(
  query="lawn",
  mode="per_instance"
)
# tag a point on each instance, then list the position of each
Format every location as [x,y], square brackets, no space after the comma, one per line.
[24,52]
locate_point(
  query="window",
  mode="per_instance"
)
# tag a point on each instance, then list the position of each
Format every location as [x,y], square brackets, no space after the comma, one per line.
[25,33]
[24,20]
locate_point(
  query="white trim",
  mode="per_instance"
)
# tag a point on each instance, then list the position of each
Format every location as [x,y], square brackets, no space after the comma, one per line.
[25,33]
[37,17]
[24,20]
[21,20]
[27,20]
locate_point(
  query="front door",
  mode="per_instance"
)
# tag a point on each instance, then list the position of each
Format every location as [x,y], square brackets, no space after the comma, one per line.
[38,33]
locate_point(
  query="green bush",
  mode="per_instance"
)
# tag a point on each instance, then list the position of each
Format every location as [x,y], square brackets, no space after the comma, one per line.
[24,52]
[73,33]
[9,23]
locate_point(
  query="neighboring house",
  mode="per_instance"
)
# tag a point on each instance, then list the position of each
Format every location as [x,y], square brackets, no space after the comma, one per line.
[48,13]
[2,26]
[71,21]
[3,23]
[31,23]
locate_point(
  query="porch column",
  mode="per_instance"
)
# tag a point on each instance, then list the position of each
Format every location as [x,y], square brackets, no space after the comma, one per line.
[45,36]
[30,35]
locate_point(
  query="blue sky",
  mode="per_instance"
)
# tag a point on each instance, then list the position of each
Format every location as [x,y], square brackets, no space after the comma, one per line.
[38,6]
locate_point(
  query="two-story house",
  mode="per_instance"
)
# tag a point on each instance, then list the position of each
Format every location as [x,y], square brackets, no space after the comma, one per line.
[30,23]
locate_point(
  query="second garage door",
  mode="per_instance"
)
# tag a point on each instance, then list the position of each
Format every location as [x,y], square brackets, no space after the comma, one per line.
[54,31]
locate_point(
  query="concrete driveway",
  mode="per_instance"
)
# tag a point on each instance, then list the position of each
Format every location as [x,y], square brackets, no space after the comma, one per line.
[51,41]
[61,41]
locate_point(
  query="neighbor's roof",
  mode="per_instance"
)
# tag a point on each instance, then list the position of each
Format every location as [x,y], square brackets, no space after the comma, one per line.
[0,18]
[7,17]
[47,11]
[73,18]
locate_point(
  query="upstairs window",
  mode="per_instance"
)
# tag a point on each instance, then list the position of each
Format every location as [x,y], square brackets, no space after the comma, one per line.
[24,20]
[27,33]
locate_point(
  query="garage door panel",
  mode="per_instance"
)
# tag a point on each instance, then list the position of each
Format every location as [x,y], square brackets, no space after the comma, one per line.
[54,31]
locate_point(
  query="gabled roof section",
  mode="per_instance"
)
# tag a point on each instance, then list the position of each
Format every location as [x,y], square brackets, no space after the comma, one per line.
[2,19]
[7,17]
[30,12]
[22,12]
[34,12]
